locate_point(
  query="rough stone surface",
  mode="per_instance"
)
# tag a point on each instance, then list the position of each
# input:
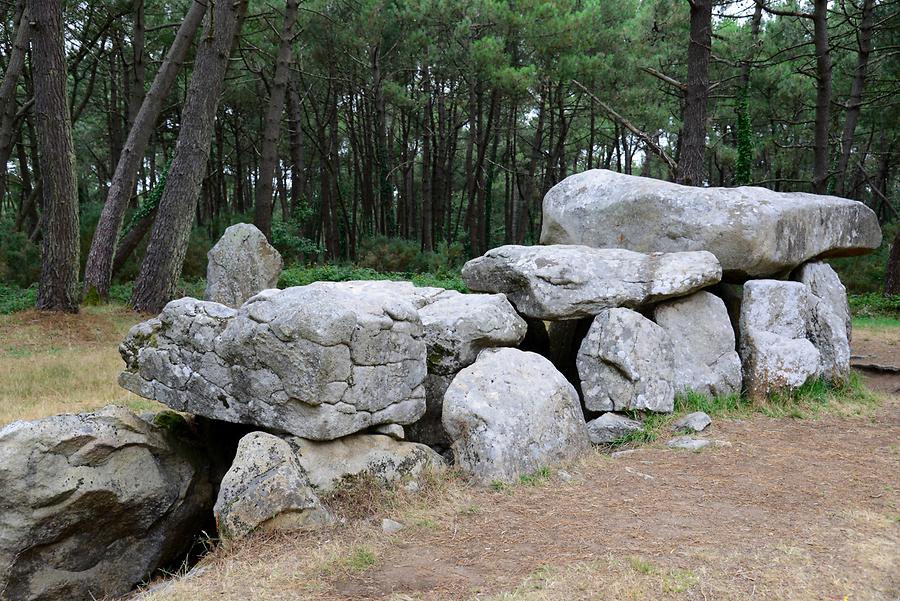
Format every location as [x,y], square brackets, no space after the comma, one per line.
[688,443]
[754,232]
[610,427]
[395,431]
[389,526]
[387,461]
[241,264]
[703,344]
[319,361]
[92,503]
[266,489]
[458,327]
[626,362]
[568,282]
[824,282]
[789,336]
[693,422]
[511,413]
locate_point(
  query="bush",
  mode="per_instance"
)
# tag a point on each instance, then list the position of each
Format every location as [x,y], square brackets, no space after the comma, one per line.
[20,260]
[865,274]
[300,276]
[14,299]
[396,255]
[875,304]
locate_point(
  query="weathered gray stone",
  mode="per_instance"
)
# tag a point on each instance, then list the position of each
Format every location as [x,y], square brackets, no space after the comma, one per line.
[510,414]
[693,422]
[383,459]
[626,362]
[319,361]
[610,427]
[568,282]
[90,504]
[458,327]
[395,431]
[266,490]
[775,351]
[241,264]
[703,343]
[689,444]
[753,231]
[389,526]
[824,282]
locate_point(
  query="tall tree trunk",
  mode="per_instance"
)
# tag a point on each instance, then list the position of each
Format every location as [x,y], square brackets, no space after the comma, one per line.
[159,272]
[262,217]
[693,133]
[136,73]
[823,96]
[58,287]
[854,103]
[98,270]
[892,277]
[14,67]
[298,159]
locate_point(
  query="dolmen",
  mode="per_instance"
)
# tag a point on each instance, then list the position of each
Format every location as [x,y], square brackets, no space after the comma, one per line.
[640,291]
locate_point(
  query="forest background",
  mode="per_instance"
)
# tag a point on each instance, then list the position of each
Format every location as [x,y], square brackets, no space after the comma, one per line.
[401,137]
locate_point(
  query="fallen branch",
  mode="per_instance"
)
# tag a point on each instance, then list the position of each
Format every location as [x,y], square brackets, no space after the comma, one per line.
[648,141]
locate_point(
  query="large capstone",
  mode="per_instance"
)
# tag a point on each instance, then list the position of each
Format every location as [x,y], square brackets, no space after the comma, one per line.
[754,232]
[568,282]
[241,264]
[703,344]
[91,504]
[266,490]
[318,361]
[458,327]
[788,337]
[626,362]
[510,414]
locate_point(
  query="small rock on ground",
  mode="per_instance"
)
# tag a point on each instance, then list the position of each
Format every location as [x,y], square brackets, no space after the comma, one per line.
[693,422]
[389,526]
[686,442]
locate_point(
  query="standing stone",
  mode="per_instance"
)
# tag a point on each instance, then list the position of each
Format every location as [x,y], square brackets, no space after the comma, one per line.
[626,362]
[92,503]
[610,427]
[266,490]
[703,343]
[458,327]
[775,350]
[241,264]
[387,461]
[510,414]
[753,232]
[824,282]
[318,361]
[568,282]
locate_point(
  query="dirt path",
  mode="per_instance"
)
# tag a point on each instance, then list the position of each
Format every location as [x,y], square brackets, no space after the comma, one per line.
[783,509]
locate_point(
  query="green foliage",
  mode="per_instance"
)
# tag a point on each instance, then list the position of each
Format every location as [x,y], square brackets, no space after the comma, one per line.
[150,204]
[744,166]
[404,256]
[300,276]
[14,299]
[865,273]
[875,305]
[20,259]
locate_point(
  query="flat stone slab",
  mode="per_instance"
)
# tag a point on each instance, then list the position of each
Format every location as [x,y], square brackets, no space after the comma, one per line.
[688,443]
[569,282]
[754,232]
[319,361]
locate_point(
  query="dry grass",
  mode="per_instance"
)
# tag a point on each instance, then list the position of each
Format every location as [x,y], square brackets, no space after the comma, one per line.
[53,363]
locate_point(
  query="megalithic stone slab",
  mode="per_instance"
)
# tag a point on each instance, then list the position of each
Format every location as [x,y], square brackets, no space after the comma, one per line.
[241,264]
[754,232]
[569,282]
[318,361]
